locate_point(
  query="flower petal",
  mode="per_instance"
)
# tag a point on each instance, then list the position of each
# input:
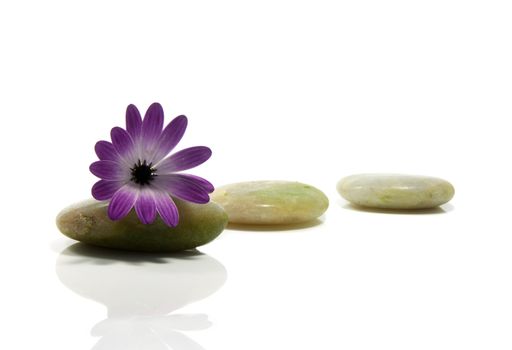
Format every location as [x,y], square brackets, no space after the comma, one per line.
[105,151]
[184,159]
[183,188]
[199,181]
[167,209]
[122,202]
[133,121]
[123,144]
[109,170]
[170,137]
[103,189]
[152,126]
[145,207]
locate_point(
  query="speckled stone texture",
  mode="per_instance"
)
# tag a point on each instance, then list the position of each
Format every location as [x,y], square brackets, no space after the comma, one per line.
[88,222]
[392,191]
[271,202]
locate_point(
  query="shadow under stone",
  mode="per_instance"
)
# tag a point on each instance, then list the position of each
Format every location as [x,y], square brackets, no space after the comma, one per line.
[437,210]
[274,228]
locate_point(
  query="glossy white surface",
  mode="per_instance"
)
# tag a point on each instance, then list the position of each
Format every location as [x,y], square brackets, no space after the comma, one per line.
[301,91]
[141,293]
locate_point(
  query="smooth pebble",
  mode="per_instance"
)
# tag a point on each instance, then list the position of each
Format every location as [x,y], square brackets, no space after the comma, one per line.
[271,202]
[390,191]
[88,222]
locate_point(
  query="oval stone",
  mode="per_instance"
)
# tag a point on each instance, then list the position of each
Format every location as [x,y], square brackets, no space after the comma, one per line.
[271,202]
[88,222]
[390,191]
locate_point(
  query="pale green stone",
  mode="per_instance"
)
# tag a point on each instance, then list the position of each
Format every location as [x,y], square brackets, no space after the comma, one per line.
[271,202]
[390,191]
[88,222]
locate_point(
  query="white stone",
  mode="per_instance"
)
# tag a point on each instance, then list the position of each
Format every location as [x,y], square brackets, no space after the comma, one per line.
[271,202]
[393,191]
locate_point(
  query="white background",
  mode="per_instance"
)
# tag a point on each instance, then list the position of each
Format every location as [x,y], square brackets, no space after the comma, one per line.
[295,90]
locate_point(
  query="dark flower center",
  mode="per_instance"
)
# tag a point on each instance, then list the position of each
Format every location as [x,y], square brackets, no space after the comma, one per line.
[143,173]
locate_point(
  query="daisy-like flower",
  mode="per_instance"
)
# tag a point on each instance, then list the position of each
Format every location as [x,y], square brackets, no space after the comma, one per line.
[135,172]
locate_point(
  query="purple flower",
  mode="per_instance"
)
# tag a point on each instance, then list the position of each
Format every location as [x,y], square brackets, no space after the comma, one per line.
[135,172]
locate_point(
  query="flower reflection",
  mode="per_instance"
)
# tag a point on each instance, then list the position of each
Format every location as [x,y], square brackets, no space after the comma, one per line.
[141,292]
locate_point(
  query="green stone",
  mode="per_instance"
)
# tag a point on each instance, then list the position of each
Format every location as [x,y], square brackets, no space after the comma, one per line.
[88,222]
[271,202]
[392,191]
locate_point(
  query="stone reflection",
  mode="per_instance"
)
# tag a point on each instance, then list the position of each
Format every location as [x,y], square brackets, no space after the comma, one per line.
[141,292]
